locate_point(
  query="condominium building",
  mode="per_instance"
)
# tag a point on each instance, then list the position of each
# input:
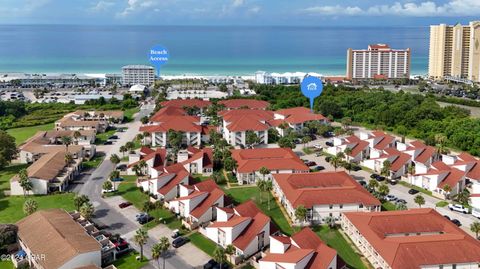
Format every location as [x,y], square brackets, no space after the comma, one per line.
[455,52]
[378,61]
[138,74]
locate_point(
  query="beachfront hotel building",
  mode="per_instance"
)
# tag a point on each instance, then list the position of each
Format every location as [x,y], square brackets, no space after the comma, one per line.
[378,61]
[455,52]
[138,74]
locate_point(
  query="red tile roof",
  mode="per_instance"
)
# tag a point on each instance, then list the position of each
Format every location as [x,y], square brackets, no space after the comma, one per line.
[400,161]
[176,123]
[358,147]
[168,111]
[254,228]
[180,173]
[232,222]
[309,189]
[247,209]
[453,177]
[474,172]
[247,123]
[250,160]
[298,115]
[241,103]
[427,154]
[187,103]
[209,202]
[441,243]
[304,243]
[158,155]
[385,142]
[206,154]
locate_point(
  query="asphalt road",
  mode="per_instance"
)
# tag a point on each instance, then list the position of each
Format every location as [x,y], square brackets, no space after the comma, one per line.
[107,214]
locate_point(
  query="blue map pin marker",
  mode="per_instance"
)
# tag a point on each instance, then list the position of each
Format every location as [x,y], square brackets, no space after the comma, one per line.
[158,56]
[311,87]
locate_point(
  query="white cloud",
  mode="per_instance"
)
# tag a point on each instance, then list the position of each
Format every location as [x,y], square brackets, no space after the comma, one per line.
[134,6]
[238,3]
[101,6]
[411,9]
[254,9]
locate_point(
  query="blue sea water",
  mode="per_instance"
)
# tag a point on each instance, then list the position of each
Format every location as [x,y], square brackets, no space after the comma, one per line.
[201,50]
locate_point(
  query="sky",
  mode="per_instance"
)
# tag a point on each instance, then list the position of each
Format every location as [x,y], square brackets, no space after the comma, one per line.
[240,12]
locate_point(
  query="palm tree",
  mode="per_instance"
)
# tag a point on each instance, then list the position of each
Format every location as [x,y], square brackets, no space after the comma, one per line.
[462,197]
[335,161]
[76,135]
[373,184]
[301,213]
[330,221]
[387,165]
[30,206]
[347,151]
[140,238]
[383,190]
[230,249]
[447,189]
[268,188]
[115,159]
[440,140]
[305,140]
[68,158]
[25,182]
[107,185]
[160,249]
[475,228]
[123,149]
[401,206]
[261,186]
[264,171]
[419,200]
[219,256]
[130,146]
[87,210]
[142,164]
[114,174]
[67,141]
[79,200]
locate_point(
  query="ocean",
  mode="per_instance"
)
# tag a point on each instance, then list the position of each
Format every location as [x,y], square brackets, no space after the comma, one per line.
[199,50]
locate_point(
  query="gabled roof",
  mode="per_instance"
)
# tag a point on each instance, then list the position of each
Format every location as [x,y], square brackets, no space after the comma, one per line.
[186,103]
[176,123]
[358,147]
[158,155]
[439,242]
[179,173]
[385,140]
[298,115]
[250,160]
[232,222]
[206,154]
[240,103]
[247,123]
[324,188]
[168,111]
[55,234]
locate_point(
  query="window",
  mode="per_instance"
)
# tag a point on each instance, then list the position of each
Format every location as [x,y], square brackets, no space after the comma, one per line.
[341,206]
[330,206]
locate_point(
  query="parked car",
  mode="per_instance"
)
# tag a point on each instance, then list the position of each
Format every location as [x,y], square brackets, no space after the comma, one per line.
[311,163]
[356,167]
[413,191]
[390,198]
[447,217]
[393,181]
[456,222]
[122,167]
[380,178]
[175,233]
[140,215]
[363,183]
[401,201]
[113,137]
[107,191]
[145,219]
[319,168]
[124,204]
[374,176]
[329,143]
[179,241]
[210,264]
[318,146]
[458,208]
[108,143]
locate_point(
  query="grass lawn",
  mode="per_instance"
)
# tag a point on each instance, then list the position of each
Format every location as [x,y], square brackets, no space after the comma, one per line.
[6,264]
[24,133]
[103,137]
[203,243]
[11,208]
[130,262]
[243,194]
[94,162]
[7,173]
[128,114]
[129,191]
[199,177]
[441,204]
[388,206]
[334,239]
